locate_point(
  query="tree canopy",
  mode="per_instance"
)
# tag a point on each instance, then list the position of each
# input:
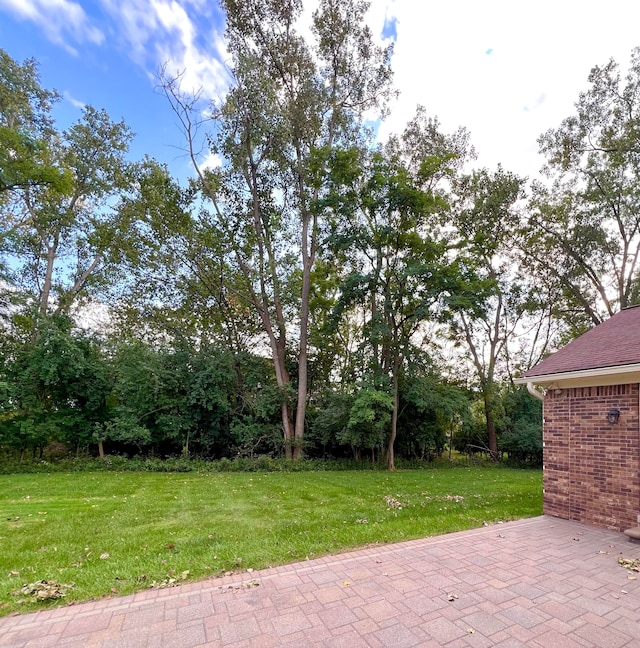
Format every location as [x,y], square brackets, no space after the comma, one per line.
[317,292]
[584,227]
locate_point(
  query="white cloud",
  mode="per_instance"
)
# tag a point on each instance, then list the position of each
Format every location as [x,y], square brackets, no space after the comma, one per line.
[168,34]
[76,103]
[535,104]
[541,55]
[506,71]
[135,25]
[211,161]
[62,21]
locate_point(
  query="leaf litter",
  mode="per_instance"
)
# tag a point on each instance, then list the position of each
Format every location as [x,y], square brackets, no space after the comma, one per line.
[43,590]
[631,564]
[392,502]
[170,581]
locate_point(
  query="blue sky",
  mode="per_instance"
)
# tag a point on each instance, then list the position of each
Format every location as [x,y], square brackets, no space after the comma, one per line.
[94,53]
[505,70]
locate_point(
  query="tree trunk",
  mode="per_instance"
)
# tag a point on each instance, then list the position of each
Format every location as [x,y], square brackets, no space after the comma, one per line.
[289,431]
[48,279]
[185,449]
[491,427]
[100,450]
[278,355]
[307,261]
[282,379]
[394,421]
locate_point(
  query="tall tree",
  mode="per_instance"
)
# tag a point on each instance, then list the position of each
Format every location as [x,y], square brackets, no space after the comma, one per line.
[584,228]
[25,130]
[180,282]
[387,210]
[485,218]
[289,99]
[73,238]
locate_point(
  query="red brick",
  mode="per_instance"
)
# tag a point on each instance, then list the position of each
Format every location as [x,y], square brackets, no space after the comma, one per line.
[592,467]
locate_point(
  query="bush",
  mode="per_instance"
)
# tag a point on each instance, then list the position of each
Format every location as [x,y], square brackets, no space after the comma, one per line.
[263,463]
[523,443]
[522,436]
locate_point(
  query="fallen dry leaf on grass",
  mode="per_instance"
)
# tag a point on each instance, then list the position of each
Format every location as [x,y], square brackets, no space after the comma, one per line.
[170,581]
[392,502]
[43,590]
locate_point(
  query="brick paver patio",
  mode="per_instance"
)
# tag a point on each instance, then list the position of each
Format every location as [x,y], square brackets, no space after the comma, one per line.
[537,582]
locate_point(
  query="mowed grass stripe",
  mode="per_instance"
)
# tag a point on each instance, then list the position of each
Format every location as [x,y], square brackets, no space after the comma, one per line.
[116,533]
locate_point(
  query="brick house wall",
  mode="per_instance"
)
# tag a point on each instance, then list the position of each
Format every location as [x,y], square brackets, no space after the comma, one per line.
[592,467]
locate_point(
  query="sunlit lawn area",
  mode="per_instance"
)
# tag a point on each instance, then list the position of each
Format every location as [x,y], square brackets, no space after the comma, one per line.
[115,533]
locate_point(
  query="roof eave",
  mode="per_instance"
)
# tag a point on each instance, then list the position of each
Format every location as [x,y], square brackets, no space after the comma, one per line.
[619,375]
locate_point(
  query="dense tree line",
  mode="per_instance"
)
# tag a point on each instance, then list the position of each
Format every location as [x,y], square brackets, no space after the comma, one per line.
[70,389]
[314,294]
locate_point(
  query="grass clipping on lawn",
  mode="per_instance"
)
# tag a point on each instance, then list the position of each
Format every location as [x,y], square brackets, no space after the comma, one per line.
[80,536]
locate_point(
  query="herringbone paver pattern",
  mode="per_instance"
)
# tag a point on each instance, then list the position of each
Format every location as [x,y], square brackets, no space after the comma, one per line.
[541,583]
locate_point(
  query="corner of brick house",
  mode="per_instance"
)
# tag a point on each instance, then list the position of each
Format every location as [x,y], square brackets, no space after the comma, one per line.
[591,425]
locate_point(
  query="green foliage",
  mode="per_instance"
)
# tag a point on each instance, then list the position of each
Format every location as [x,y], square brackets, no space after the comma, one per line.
[192,401]
[124,428]
[385,208]
[522,435]
[60,385]
[56,388]
[293,98]
[348,263]
[518,419]
[583,233]
[429,410]
[484,317]
[66,226]
[332,419]
[25,129]
[368,421]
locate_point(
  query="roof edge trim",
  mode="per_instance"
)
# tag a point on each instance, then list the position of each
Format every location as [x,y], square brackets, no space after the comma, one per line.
[584,373]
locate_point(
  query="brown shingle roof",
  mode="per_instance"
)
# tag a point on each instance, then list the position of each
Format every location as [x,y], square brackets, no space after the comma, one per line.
[613,343]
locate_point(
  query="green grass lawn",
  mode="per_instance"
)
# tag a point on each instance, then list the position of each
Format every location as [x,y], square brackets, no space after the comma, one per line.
[115,533]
